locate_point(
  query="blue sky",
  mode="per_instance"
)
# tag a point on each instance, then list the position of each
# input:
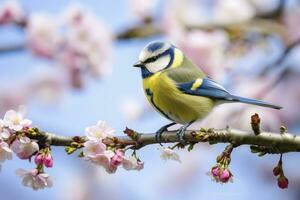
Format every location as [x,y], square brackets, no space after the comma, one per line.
[101,100]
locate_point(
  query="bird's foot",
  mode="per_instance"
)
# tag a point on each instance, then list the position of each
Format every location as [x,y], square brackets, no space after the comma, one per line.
[160,131]
[181,132]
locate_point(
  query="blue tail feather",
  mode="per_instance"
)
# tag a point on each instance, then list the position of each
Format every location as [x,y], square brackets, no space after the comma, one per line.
[252,101]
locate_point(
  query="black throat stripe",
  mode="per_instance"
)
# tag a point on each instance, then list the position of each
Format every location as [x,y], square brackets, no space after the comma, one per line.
[150,94]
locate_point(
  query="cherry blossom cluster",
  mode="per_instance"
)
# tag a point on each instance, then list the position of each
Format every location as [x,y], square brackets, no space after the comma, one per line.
[15,134]
[107,156]
[14,130]
[75,39]
[84,45]
[220,172]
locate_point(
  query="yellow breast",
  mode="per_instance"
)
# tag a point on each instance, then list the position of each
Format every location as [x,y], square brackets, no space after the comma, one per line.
[162,93]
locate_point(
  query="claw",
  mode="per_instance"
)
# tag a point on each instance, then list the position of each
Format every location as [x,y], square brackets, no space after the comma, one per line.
[160,132]
[181,132]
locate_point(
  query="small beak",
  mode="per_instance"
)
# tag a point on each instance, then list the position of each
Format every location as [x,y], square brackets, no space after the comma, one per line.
[139,64]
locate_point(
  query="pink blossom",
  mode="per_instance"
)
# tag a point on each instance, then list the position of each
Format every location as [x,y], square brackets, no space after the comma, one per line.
[98,131]
[92,148]
[103,159]
[132,163]
[117,158]
[34,179]
[48,160]
[95,151]
[14,120]
[11,12]
[24,147]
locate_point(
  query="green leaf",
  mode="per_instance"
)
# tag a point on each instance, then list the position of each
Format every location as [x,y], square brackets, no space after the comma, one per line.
[191,146]
[70,150]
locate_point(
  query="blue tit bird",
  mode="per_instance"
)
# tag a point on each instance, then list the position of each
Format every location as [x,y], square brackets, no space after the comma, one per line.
[179,90]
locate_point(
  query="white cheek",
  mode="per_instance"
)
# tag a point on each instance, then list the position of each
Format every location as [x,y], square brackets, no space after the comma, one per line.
[159,64]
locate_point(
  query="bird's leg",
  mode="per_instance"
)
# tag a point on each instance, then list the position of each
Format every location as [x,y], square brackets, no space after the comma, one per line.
[161,130]
[181,132]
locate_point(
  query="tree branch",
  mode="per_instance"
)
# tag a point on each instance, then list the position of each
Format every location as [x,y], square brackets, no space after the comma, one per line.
[266,141]
[12,47]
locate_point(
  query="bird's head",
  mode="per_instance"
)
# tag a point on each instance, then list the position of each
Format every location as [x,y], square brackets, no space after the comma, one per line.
[157,56]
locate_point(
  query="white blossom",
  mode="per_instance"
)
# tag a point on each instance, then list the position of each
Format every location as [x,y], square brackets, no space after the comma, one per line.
[5,152]
[132,163]
[24,147]
[34,179]
[73,15]
[92,148]
[99,131]
[43,35]
[169,154]
[14,120]
[4,133]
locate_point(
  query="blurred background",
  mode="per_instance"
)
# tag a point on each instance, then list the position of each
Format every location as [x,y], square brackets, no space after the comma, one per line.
[70,63]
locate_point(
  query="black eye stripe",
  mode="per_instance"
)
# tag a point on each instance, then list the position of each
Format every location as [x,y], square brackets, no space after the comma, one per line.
[152,59]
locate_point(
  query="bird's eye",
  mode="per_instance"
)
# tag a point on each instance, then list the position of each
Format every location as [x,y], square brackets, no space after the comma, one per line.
[152,59]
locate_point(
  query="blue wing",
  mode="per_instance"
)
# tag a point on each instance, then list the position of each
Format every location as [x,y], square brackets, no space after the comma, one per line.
[206,87]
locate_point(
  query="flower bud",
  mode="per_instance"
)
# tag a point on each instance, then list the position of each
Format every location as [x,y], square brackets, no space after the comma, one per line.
[282,182]
[39,159]
[117,159]
[215,171]
[48,160]
[225,176]
[277,171]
